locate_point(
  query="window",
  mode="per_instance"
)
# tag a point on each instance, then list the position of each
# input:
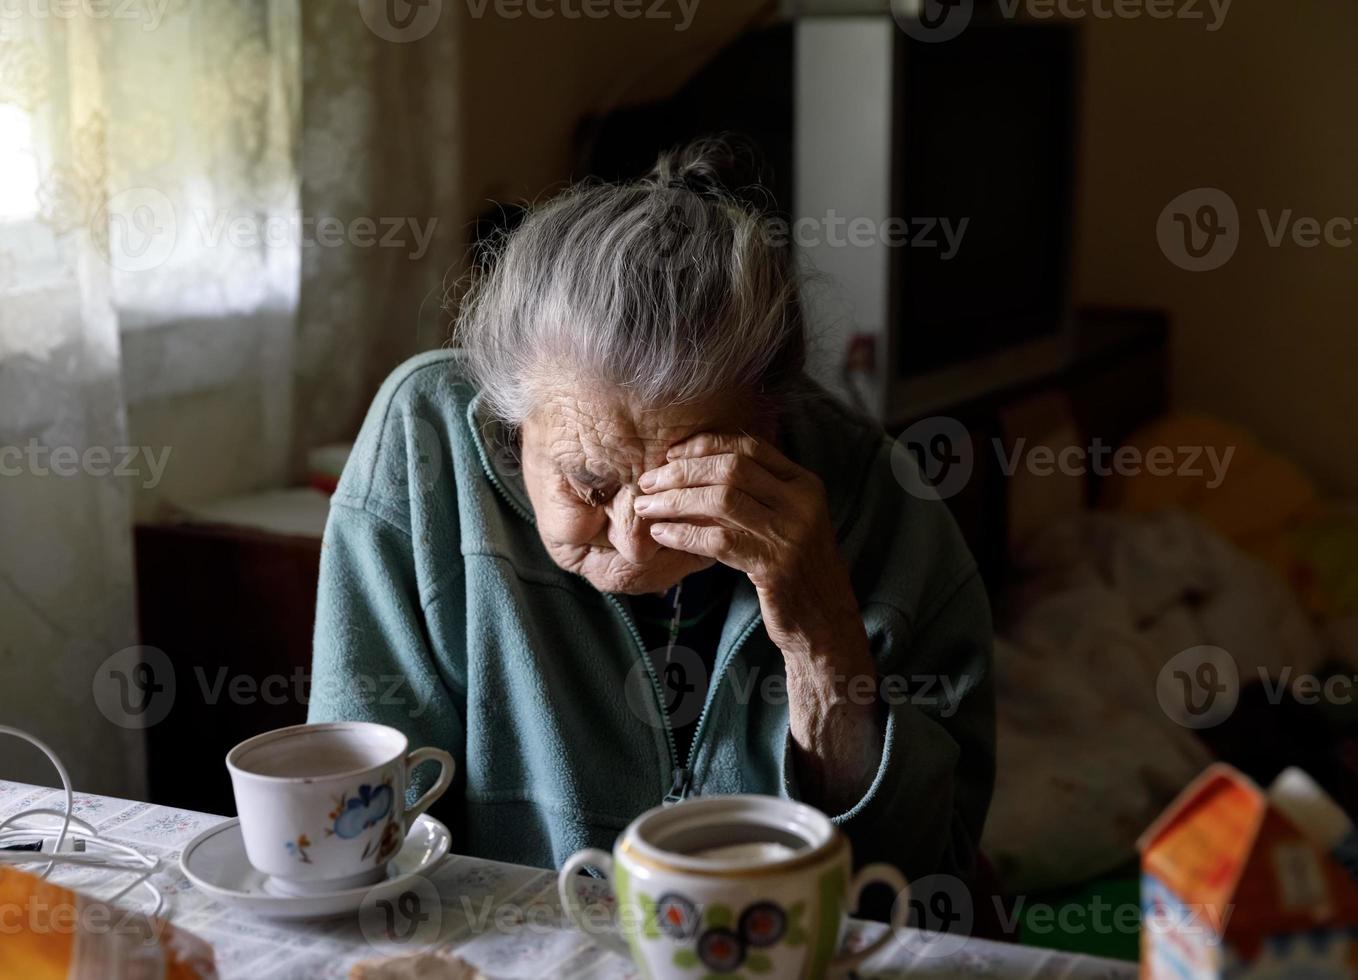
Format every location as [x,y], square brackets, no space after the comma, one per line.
[18,166]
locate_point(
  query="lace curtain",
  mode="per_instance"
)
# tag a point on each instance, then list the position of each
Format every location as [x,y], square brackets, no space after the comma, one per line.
[170,328]
[129,134]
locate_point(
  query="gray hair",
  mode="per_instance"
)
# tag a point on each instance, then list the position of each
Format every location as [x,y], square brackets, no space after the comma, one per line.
[667,287]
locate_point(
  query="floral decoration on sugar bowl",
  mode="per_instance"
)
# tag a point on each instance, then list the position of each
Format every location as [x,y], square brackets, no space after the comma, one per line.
[720,941]
[357,813]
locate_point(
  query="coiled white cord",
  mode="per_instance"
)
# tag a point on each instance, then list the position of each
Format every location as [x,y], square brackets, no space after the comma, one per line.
[99,851]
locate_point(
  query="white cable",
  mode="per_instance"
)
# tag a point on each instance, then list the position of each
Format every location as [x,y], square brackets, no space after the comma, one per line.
[108,854]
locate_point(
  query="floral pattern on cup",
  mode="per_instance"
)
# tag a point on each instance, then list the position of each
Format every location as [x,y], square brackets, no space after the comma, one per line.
[389,843]
[297,848]
[366,808]
[356,813]
[724,944]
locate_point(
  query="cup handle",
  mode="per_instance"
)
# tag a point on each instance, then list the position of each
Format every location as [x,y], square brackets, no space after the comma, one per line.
[900,910]
[570,901]
[447,767]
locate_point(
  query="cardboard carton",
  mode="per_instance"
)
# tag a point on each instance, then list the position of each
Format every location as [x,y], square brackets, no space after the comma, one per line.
[1231,888]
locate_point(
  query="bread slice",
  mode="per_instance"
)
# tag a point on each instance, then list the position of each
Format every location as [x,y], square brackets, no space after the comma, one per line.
[420,966]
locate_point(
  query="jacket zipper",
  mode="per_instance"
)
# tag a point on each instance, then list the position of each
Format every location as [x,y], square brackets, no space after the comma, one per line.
[675,769]
[681,775]
[712,692]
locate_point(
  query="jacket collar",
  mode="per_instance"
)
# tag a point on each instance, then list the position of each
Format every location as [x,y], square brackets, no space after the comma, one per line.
[499,459]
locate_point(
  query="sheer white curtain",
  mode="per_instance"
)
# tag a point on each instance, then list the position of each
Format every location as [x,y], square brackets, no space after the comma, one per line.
[148,182]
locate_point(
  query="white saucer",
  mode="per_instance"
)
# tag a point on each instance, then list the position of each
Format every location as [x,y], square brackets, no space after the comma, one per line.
[216,864]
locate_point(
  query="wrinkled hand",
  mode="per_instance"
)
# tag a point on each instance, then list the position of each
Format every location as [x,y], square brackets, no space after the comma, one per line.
[739,500]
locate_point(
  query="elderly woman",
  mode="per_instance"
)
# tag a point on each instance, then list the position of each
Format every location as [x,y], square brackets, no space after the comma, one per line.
[617,550]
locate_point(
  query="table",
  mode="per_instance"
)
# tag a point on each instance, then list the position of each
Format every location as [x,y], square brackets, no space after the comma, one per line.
[503,918]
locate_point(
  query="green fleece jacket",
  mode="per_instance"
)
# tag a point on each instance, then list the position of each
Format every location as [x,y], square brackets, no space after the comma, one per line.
[441,614]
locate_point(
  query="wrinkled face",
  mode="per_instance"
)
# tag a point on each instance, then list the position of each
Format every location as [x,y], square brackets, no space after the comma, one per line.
[583,451]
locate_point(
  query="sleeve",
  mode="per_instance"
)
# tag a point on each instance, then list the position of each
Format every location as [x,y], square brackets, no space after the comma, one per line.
[371,656]
[924,809]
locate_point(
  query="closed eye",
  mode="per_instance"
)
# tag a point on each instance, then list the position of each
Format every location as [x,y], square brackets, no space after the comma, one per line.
[595,496]
[594,490]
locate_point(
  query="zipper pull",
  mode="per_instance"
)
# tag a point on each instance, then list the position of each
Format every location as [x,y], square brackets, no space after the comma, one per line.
[679,786]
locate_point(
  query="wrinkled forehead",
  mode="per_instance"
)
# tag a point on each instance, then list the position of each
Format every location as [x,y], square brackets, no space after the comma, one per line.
[612,437]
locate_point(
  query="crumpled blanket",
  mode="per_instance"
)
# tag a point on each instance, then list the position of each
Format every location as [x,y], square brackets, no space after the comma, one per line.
[1087,755]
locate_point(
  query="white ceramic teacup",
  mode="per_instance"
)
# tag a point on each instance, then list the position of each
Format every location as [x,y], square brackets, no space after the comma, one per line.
[747,885]
[322,807]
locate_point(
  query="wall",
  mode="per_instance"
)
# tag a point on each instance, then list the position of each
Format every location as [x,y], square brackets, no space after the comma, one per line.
[529,81]
[1263,109]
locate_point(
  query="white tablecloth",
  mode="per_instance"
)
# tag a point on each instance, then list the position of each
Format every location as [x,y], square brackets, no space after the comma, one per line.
[503,918]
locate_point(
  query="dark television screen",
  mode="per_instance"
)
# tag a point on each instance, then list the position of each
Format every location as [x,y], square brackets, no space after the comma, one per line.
[983,133]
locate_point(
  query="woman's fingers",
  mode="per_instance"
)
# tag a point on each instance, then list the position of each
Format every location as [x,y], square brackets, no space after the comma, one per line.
[730,469]
[710,541]
[721,502]
[761,451]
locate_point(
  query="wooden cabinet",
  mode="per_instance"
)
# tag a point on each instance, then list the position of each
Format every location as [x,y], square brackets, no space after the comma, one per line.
[233,610]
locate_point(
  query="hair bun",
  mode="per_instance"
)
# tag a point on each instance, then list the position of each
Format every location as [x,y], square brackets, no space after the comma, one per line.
[721,165]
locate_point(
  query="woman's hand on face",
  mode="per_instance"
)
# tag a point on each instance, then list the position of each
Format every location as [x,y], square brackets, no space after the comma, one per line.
[739,500]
